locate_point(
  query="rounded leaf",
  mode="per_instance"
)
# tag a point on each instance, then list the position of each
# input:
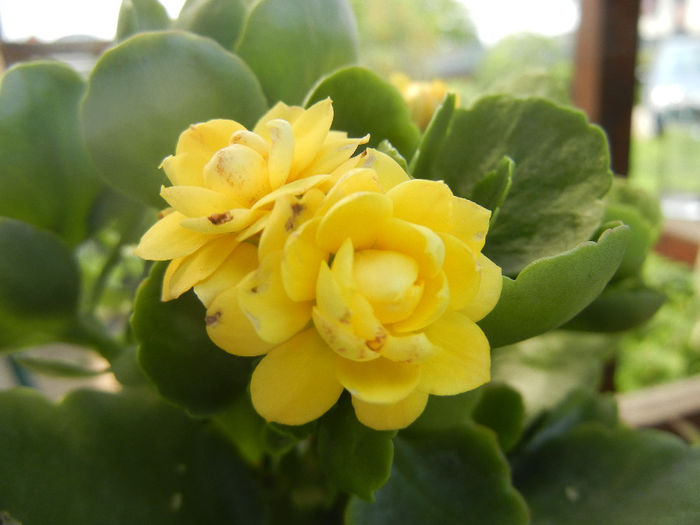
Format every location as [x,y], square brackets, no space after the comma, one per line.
[136,16]
[220,20]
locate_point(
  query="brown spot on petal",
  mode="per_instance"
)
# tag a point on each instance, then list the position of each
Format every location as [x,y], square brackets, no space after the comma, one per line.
[211,320]
[346,317]
[254,289]
[297,208]
[377,343]
[220,218]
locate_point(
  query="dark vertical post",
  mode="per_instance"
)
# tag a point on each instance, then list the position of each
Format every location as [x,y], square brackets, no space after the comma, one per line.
[604,81]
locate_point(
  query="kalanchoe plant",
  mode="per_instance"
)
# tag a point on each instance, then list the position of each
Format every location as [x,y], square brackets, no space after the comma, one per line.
[305,218]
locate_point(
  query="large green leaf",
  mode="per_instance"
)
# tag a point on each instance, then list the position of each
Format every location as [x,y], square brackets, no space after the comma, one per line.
[421,166]
[116,459]
[356,458]
[550,291]
[290,44]
[47,177]
[619,476]
[136,16]
[144,92]
[220,20]
[501,409]
[562,171]
[39,285]
[451,477]
[177,354]
[365,103]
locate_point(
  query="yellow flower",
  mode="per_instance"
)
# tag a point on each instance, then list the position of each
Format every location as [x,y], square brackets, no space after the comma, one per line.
[377,293]
[225,181]
[422,98]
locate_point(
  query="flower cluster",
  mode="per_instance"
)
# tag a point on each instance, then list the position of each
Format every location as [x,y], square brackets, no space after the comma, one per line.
[345,273]
[422,98]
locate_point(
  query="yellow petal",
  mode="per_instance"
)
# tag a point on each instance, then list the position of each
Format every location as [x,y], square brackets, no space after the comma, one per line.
[489,290]
[414,240]
[281,151]
[165,294]
[251,140]
[357,217]
[301,262]
[278,111]
[382,275]
[400,308]
[469,223]
[207,137]
[341,170]
[340,336]
[295,383]
[196,201]
[263,300]
[391,416]
[185,169]
[332,154]
[227,221]
[238,171]
[425,202]
[201,264]
[230,329]
[378,381]
[310,131]
[298,187]
[433,303]
[288,213]
[254,228]
[464,361]
[242,261]
[411,348]
[460,268]
[353,181]
[167,239]
[388,171]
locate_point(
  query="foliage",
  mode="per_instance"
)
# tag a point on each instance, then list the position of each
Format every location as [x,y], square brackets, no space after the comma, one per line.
[182,442]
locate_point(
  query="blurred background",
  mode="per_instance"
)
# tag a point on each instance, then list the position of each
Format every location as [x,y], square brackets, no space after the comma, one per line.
[633,66]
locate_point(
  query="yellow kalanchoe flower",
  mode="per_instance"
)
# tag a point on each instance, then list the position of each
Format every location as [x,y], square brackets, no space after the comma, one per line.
[345,273]
[422,98]
[226,179]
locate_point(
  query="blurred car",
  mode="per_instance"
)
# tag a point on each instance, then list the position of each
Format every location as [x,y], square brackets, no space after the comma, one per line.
[672,90]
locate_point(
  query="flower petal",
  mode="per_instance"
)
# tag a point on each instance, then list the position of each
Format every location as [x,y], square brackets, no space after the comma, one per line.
[310,131]
[185,168]
[252,141]
[298,187]
[425,202]
[469,223]
[167,239]
[358,179]
[295,383]
[356,217]
[281,151]
[207,137]
[165,294]
[379,380]
[433,303]
[414,240]
[196,201]
[460,268]
[201,264]
[263,300]
[228,221]
[384,275]
[341,338]
[388,171]
[278,111]
[230,329]
[332,154]
[489,290]
[237,265]
[237,171]
[391,416]
[464,361]
[411,348]
[301,262]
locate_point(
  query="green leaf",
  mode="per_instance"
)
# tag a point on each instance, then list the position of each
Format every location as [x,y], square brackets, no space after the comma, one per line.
[137,16]
[562,171]
[220,20]
[491,191]
[450,477]
[356,458]
[118,459]
[144,92]
[278,439]
[550,291]
[621,306]
[365,103]
[501,409]
[446,412]
[290,44]
[424,158]
[39,285]
[593,474]
[47,177]
[546,369]
[242,425]
[177,354]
